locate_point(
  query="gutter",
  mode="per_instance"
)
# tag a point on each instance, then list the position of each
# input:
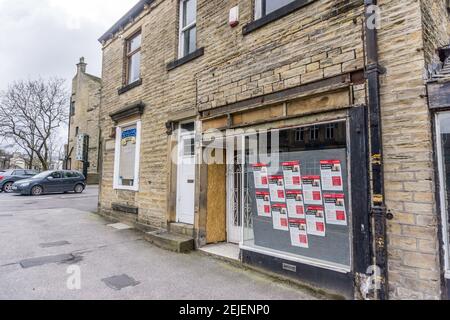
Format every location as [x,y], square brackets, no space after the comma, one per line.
[127,18]
[378,206]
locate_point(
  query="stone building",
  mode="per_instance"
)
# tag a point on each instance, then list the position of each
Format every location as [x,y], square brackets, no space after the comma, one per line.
[353,195]
[84,124]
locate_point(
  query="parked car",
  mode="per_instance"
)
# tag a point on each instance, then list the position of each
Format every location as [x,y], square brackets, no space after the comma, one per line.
[60,181]
[8,178]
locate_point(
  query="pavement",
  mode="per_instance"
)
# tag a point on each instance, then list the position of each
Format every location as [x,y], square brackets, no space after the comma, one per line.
[56,247]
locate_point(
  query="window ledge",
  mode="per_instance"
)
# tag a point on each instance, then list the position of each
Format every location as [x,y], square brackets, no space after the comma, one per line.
[130,86]
[194,55]
[124,188]
[278,14]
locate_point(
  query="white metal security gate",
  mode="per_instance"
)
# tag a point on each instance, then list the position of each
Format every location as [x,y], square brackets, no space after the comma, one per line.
[234,208]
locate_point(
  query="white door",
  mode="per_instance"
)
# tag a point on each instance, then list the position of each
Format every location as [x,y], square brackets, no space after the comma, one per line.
[186,178]
[234,208]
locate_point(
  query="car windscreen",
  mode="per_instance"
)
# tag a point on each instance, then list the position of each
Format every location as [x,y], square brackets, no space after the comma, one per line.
[7,173]
[42,175]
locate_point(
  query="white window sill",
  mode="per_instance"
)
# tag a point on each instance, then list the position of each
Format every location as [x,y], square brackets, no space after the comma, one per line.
[447,274]
[135,189]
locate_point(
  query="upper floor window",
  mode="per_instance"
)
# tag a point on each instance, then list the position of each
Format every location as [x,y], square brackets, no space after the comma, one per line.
[134,58]
[72,108]
[188,27]
[265,7]
[331,131]
[300,135]
[314,133]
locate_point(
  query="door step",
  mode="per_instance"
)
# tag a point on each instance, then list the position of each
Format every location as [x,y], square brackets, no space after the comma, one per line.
[169,241]
[182,229]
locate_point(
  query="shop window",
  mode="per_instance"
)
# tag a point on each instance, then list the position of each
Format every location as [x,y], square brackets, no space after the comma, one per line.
[188,27]
[126,171]
[265,7]
[133,48]
[296,197]
[443,151]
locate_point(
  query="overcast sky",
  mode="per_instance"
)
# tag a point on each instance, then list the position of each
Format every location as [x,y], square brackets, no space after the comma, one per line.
[47,37]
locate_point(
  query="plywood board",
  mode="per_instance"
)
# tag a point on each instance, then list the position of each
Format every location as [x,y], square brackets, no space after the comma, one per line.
[216,204]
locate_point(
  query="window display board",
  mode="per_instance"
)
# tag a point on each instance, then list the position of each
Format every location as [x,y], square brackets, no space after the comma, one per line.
[307,193]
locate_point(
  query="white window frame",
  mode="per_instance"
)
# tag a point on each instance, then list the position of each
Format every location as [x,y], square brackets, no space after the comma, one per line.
[130,54]
[442,191]
[117,185]
[183,29]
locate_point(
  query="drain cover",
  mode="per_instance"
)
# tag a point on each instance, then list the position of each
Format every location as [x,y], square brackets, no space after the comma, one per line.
[120,282]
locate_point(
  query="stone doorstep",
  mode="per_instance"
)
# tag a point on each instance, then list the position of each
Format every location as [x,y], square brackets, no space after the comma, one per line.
[182,229]
[169,241]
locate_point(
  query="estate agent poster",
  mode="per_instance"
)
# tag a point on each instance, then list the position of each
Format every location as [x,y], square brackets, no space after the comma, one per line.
[295,205]
[312,190]
[276,186]
[260,174]
[299,234]
[280,217]
[263,204]
[335,211]
[331,171]
[315,220]
[292,175]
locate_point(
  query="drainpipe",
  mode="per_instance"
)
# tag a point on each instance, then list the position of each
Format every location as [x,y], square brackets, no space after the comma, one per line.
[378,207]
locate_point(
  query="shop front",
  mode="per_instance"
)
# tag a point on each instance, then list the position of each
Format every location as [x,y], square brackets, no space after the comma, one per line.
[439,104]
[297,196]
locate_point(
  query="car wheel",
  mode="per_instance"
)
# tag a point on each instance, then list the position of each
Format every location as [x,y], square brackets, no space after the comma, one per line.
[79,188]
[8,187]
[36,191]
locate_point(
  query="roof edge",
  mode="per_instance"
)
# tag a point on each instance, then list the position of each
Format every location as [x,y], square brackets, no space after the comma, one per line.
[130,15]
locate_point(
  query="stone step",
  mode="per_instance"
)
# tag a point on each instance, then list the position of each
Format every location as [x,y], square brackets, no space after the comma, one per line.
[169,241]
[182,229]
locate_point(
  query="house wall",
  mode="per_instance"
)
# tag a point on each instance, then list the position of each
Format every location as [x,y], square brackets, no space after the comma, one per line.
[414,271]
[435,27]
[86,94]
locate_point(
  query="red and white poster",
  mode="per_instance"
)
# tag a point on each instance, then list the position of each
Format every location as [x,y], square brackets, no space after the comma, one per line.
[263,204]
[276,186]
[299,233]
[312,190]
[295,204]
[261,176]
[331,172]
[335,211]
[280,217]
[315,220]
[292,175]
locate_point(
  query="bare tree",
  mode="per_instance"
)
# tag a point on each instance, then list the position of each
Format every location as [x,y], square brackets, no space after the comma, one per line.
[31,113]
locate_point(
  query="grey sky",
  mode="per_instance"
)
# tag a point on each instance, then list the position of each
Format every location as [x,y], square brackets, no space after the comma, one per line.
[47,37]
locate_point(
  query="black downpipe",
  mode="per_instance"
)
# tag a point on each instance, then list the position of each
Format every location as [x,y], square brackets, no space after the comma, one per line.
[378,207]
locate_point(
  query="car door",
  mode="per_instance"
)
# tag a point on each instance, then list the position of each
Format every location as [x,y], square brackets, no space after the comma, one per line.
[69,180]
[54,182]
